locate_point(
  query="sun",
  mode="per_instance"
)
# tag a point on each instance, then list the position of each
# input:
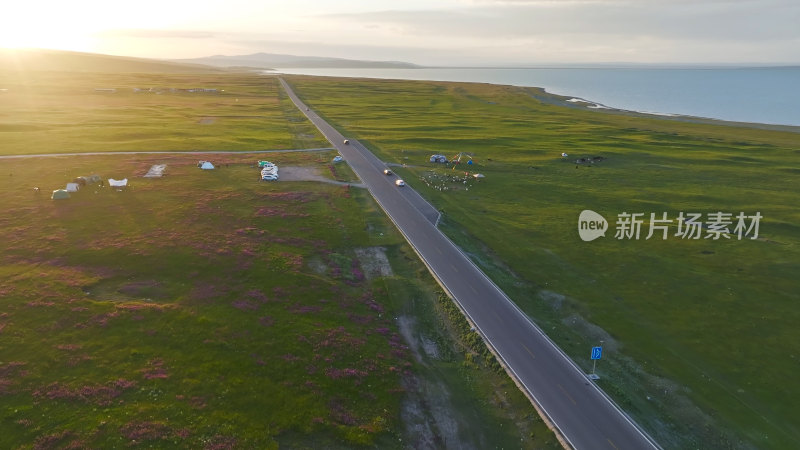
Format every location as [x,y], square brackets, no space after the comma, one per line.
[16,36]
[28,25]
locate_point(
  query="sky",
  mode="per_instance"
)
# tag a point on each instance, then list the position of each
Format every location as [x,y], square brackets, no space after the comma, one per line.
[432,32]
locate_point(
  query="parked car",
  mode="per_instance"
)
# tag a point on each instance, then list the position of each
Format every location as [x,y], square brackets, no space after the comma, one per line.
[400,182]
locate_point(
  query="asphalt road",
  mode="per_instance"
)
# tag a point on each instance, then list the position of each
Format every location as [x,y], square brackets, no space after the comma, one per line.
[582,415]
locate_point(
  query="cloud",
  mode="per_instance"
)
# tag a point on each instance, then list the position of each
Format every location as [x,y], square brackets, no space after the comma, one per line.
[618,29]
[721,19]
[158,34]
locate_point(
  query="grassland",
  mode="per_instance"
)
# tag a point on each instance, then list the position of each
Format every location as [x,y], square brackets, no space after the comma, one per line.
[211,310]
[208,309]
[700,335]
[61,112]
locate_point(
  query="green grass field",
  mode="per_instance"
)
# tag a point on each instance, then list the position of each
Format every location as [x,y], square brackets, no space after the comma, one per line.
[700,335]
[209,309]
[61,112]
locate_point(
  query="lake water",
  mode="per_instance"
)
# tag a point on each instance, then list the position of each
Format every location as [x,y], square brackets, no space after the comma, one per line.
[762,95]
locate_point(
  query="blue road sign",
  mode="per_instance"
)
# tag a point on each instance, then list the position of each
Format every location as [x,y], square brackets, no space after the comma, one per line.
[597,352]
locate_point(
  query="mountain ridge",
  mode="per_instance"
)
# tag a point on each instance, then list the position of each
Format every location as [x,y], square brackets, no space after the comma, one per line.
[264,60]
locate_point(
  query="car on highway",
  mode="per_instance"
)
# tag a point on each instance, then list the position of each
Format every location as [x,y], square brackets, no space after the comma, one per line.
[387,172]
[346,142]
[400,182]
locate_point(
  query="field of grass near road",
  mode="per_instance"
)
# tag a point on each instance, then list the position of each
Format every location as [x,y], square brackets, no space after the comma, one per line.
[61,112]
[700,336]
[207,309]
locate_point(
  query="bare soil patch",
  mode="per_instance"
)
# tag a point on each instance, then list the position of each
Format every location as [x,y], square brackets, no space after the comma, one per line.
[300,173]
[156,171]
[374,262]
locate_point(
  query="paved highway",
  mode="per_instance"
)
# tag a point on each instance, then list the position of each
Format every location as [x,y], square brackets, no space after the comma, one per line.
[581,414]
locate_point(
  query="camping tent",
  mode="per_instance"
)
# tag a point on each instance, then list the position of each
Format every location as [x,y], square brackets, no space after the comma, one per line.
[206,165]
[59,194]
[91,179]
[117,183]
[73,187]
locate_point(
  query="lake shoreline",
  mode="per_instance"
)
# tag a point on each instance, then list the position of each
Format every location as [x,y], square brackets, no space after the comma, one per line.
[583,104]
[641,101]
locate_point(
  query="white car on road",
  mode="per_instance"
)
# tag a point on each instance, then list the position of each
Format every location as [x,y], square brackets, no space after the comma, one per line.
[400,182]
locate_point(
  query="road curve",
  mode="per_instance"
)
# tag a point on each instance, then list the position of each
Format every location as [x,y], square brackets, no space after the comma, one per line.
[581,414]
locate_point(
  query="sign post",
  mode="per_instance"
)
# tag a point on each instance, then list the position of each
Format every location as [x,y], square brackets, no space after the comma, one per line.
[597,353]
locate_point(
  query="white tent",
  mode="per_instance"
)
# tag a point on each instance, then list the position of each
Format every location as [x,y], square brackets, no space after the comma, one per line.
[479,175]
[117,183]
[206,165]
[73,187]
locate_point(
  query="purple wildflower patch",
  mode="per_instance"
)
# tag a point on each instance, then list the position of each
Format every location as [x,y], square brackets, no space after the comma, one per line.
[102,395]
[221,443]
[137,431]
[154,370]
[245,305]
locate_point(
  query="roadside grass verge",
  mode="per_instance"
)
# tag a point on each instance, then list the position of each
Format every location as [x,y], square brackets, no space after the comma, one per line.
[699,334]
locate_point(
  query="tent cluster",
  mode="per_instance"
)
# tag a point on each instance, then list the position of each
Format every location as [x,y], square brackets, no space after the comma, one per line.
[75,185]
[439,159]
[269,171]
[81,182]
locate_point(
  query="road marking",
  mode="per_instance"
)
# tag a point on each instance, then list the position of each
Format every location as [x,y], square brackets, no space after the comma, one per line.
[473,288]
[529,351]
[612,444]
[438,250]
[565,393]
[454,267]
[498,317]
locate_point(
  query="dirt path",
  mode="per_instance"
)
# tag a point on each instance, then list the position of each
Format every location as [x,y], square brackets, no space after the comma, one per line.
[301,173]
[188,152]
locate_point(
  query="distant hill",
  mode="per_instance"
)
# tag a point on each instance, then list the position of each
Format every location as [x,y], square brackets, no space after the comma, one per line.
[273,60]
[38,60]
